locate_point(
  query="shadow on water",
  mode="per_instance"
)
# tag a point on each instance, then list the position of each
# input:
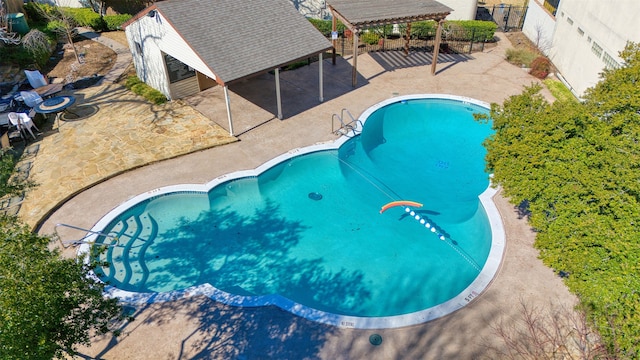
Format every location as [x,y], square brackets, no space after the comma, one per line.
[252,255]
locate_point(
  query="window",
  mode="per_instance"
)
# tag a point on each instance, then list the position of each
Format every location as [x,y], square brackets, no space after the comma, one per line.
[139,49]
[597,49]
[580,32]
[570,21]
[588,39]
[609,62]
[552,6]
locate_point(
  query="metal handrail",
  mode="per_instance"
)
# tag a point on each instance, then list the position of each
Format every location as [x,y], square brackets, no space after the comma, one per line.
[348,126]
[82,240]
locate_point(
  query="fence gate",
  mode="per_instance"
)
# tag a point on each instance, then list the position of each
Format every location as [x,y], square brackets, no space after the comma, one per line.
[508,17]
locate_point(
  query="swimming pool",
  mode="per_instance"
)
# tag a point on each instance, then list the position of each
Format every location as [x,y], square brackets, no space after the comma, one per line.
[305,231]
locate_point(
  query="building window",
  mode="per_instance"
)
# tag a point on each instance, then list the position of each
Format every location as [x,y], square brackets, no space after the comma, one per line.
[597,49]
[552,6]
[588,39]
[570,21]
[139,49]
[609,62]
[580,32]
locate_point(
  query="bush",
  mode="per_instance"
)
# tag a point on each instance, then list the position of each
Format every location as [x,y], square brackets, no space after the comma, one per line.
[471,30]
[370,38]
[85,17]
[521,57]
[114,22]
[138,87]
[325,26]
[540,67]
[423,29]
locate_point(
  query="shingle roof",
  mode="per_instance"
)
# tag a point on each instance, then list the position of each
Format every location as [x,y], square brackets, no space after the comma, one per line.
[363,13]
[240,38]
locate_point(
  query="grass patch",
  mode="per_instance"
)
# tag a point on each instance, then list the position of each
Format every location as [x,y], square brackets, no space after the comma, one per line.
[558,90]
[521,57]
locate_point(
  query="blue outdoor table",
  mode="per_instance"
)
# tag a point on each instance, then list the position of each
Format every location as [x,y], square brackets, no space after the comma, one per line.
[55,105]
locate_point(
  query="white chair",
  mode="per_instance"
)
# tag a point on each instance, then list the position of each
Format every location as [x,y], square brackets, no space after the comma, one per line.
[31,98]
[23,122]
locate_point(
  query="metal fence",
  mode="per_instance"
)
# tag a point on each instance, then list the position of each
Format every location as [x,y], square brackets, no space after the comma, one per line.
[453,41]
[508,17]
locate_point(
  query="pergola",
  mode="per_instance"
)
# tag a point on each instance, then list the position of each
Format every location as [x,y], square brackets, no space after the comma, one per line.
[358,15]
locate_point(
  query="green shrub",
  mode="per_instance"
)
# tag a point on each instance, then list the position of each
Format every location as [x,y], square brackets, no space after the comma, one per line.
[34,12]
[521,57]
[114,22]
[370,38]
[540,67]
[471,30]
[559,90]
[423,29]
[18,55]
[138,87]
[325,26]
[85,17]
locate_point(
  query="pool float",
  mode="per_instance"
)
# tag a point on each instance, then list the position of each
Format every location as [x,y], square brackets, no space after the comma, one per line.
[399,203]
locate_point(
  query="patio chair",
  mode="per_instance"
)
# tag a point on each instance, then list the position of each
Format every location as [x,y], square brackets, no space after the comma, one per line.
[40,84]
[23,122]
[31,98]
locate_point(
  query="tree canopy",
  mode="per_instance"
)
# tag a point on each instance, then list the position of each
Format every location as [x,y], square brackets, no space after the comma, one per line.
[47,303]
[577,166]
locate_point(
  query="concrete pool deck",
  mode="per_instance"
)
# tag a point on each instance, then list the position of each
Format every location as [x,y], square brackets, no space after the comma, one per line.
[197,327]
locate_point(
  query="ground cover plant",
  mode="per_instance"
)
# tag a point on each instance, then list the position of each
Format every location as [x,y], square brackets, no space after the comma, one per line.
[576,166]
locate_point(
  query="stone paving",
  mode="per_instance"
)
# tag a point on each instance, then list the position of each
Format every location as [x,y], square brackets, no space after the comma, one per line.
[116,131]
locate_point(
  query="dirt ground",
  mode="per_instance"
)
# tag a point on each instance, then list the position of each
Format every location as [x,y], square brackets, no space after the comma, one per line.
[98,59]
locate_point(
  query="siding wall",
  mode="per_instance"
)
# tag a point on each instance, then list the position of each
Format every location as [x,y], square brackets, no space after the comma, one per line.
[156,36]
[539,26]
[588,33]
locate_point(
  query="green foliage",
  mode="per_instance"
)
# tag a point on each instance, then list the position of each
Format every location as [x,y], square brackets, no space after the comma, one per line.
[20,56]
[325,26]
[85,17]
[559,90]
[521,57]
[114,22]
[9,184]
[540,67]
[370,38]
[471,30]
[37,12]
[576,164]
[423,29]
[47,304]
[138,87]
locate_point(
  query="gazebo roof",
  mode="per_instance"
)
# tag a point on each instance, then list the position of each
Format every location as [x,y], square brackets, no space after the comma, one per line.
[360,14]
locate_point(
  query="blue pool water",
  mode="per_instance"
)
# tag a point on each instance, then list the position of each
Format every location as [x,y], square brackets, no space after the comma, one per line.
[310,228]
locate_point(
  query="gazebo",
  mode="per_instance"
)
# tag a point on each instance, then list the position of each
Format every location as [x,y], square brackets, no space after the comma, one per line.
[358,15]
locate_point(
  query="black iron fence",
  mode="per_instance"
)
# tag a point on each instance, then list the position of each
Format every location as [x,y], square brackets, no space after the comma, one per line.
[508,17]
[453,41]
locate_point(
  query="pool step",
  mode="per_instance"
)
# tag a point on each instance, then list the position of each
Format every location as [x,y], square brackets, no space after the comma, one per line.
[126,265]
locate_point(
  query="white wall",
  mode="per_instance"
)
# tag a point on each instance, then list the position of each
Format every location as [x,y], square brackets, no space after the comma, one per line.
[539,26]
[462,9]
[155,36]
[584,25]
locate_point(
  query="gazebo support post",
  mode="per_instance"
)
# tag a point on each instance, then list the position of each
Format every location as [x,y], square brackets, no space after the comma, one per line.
[436,47]
[320,76]
[334,42]
[226,98]
[407,39]
[278,100]
[354,70]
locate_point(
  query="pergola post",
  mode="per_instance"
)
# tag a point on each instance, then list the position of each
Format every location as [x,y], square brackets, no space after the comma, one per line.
[354,71]
[278,101]
[226,98]
[407,39]
[320,77]
[436,47]
[334,42]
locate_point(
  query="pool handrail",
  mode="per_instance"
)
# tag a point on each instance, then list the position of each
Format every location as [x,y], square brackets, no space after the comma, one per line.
[82,240]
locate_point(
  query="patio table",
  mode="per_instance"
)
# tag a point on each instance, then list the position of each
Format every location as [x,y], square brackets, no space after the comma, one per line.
[56,105]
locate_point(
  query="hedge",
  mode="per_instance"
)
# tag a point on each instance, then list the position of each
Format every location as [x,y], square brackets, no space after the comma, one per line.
[85,17]
[472,30]
[114,22]
[136,85]
[325,26]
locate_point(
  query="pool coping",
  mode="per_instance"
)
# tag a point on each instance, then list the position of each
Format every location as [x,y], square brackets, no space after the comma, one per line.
[472,291]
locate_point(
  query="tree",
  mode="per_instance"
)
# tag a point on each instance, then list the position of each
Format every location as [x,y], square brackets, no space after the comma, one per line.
[47,304]
[63,24]
[576,165]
